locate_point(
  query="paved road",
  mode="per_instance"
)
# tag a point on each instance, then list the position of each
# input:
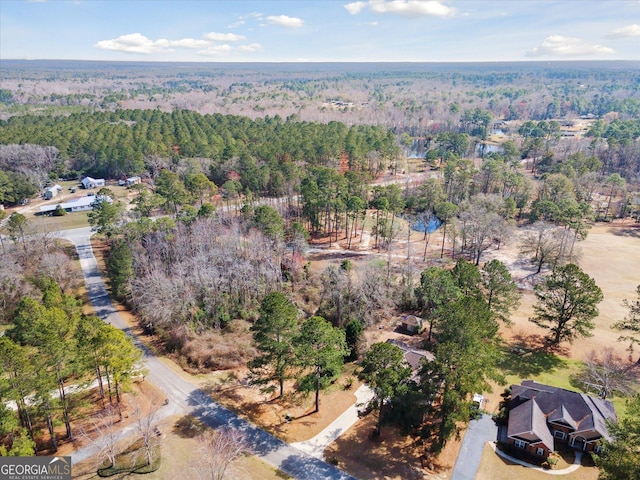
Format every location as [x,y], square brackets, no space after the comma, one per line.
[478,434]
[186,397]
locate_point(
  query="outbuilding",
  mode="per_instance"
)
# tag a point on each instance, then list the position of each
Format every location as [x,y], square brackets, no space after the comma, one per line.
[51,192]
[133,181]
[411,324]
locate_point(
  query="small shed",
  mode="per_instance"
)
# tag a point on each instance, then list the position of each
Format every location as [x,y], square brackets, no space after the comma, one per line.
[133,181]
[412,324]
[51,192]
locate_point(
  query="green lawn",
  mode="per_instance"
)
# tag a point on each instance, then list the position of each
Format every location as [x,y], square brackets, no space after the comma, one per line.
[54,224]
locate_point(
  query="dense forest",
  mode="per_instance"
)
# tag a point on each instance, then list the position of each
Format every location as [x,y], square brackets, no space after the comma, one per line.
[116,143]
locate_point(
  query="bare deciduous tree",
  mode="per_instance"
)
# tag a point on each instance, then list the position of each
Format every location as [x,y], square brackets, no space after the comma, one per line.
[12,287]
[59,266]
[33,161]
[103,433]
[190,275]
[219,449]
[608,374]
[145,412]
[543,244]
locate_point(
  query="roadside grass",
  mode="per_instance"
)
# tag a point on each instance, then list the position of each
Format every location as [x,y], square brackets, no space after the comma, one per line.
[133,460]
[54,224]
[180,445]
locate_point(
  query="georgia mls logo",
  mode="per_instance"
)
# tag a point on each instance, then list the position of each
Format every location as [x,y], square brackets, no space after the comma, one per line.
[35,468]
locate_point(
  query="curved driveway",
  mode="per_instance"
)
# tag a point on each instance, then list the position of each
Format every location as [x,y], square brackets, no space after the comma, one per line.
[187,398]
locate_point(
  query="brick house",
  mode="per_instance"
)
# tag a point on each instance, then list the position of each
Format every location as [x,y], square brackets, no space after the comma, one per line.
[542,418]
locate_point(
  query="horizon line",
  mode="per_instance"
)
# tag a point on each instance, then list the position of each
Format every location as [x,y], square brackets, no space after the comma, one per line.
[302,62]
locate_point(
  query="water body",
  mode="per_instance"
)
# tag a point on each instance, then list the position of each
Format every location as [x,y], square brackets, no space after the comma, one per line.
[489,148]
[432,226]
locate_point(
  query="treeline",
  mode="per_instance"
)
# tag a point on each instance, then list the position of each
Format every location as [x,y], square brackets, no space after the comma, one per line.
[112,144]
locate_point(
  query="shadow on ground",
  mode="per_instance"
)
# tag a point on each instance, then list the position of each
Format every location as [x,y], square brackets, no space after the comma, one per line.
[528,355]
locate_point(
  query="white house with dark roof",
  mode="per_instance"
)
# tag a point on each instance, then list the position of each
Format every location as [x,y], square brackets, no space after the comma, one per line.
[541,417]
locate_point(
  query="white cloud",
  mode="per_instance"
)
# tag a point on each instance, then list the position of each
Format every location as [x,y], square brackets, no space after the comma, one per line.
[134,43]
[188,43]
[236,24]
[561,46]
[355,7]
[223,37]
[372,24]
[252,47]
[430,8]
[626,31]
[138,43]
[257,15]
[285,21]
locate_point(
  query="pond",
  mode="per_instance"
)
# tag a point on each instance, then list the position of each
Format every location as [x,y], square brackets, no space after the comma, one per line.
[432,226]
[488,148]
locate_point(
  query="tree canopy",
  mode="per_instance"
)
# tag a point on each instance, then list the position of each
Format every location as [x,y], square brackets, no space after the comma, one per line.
[567,304]
[386,372]
[273,334]
[320,352]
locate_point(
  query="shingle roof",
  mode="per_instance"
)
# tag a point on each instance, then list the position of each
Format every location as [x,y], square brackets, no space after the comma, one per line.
[412,356]
[562,415]
[533,403]
[527,421]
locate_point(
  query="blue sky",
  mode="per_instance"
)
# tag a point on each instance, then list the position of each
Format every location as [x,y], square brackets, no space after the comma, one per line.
[320,30]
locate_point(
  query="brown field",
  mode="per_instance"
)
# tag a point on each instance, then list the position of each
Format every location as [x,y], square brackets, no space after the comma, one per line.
[269,412]
[390,456]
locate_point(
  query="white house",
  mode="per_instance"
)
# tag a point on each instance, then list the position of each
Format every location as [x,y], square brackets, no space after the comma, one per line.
[51,192]
[88,182]
[81,204]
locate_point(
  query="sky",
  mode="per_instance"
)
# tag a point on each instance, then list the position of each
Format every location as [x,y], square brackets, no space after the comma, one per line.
[320,30]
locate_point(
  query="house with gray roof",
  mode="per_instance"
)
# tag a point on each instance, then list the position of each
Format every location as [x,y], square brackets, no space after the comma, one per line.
[542,418]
